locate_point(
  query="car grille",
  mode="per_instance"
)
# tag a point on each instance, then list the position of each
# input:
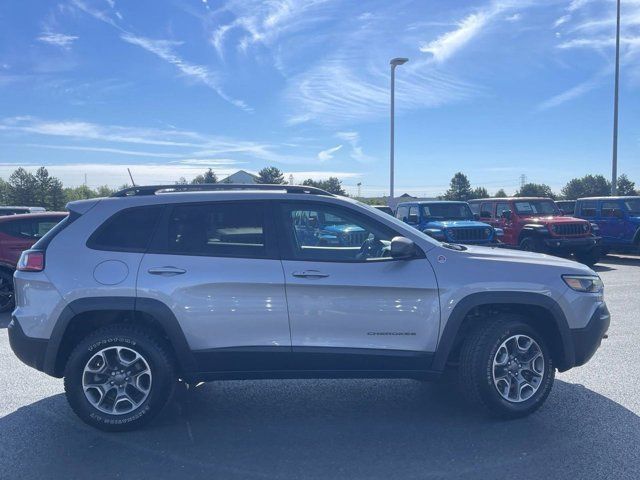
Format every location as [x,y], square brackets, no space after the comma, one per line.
[355,239]
[568,229]
[469,234]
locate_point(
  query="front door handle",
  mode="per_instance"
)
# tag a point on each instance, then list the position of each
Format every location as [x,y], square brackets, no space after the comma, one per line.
[166,271]
[310,274]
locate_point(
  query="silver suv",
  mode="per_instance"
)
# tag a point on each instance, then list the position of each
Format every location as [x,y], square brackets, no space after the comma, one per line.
[132,293]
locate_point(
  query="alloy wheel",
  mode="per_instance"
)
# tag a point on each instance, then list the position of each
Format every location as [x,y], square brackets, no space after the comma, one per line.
[116,380]
[518,368]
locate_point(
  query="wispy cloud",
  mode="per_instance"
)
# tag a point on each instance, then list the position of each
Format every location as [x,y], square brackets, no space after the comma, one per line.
[449,43]
[333,92]
[262,22]
[164,50]
[327,154]
[570,94]
[58,39]
[172,143]
[353,138]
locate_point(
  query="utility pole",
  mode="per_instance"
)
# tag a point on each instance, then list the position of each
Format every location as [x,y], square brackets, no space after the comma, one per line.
[291,179]
[614,156]
[359,189]
[394,63]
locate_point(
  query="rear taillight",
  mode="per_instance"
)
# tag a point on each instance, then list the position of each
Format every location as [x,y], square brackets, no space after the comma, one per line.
[31,261]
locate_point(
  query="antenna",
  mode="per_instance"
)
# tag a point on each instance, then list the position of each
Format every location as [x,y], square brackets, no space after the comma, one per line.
[133,184]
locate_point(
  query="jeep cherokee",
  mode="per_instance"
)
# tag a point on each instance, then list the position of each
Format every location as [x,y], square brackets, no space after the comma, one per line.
[133,293]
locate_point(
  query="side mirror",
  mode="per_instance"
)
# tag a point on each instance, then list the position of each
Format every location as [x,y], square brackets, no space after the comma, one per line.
[402,247]
[506,214]
[412,219]
[476,216]
[618,213]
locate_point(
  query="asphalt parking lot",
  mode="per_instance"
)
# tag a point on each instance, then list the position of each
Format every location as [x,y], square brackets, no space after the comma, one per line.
[589,427]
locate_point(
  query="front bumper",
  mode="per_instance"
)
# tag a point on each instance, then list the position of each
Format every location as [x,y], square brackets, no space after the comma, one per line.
[586,340]
[30,351]
[580,243]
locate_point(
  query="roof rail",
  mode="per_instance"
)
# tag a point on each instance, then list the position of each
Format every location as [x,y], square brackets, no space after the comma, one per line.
[207,187]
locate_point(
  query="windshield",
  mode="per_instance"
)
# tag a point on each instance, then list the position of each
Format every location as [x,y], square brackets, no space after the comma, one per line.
[447,211]
[536,207]
[633,206]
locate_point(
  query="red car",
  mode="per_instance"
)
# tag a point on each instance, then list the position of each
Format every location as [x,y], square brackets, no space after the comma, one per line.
[18,233]
[538,225]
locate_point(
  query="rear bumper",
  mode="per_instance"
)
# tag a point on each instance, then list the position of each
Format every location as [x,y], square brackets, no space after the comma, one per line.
[587,340]
[581,243]
[30,351]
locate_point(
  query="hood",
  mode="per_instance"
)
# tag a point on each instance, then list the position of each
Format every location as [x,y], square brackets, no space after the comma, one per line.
[553,219]
[498,254]
[455,224]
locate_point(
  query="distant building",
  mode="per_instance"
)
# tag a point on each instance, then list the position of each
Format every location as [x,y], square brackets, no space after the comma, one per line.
[241,177]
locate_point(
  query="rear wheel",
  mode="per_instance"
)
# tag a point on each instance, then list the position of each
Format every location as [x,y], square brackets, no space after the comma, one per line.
[118,378]
[6,291]
[506,366]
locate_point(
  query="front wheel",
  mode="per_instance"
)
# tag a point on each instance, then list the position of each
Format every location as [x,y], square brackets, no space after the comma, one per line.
[589,257]
[506,366]
[119,377]
[532,244]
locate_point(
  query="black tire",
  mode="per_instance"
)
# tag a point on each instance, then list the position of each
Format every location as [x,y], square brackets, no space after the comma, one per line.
[6,291]
[589,257]
[532,244]
[162,377]
[476,378]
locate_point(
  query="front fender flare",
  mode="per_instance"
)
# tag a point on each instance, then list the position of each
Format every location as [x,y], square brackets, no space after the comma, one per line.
[463,307]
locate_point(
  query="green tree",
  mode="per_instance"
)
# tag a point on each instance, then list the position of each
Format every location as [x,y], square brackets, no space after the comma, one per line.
[4,192]
[459,189]
[535,190]
[625,186]
[57,198]
[271,175]
[208,177]
[79,193]
[105,191]
[22,188]
[587,186]
[501,194]
[331,185]
[479,192]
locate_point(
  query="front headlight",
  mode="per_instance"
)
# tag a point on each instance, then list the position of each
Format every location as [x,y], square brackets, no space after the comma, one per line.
[584,283]
[435,233]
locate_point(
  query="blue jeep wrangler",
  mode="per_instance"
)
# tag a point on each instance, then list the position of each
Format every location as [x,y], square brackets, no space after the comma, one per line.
[618,220]
[448,222]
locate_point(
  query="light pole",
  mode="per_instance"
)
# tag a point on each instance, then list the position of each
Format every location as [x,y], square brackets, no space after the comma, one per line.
[394,63]
[614,157]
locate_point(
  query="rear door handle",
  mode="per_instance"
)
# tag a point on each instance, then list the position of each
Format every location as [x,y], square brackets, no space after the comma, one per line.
[166,271]
[310,274]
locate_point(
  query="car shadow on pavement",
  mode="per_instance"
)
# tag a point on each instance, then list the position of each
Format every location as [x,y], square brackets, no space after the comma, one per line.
[330,429]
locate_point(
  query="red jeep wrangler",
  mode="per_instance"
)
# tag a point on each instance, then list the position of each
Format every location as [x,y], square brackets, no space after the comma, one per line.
[18,233]
[537,225]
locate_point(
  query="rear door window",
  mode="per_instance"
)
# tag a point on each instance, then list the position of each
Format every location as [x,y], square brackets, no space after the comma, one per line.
[611,209]
[219,229]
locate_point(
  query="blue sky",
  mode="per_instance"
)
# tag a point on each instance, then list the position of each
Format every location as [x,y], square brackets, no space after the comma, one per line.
[493,88]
